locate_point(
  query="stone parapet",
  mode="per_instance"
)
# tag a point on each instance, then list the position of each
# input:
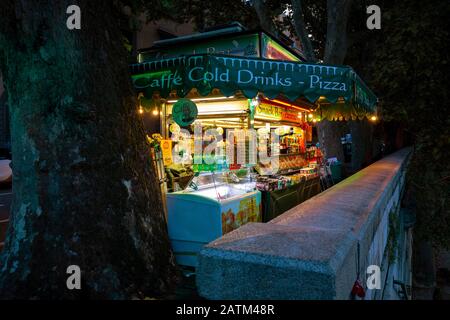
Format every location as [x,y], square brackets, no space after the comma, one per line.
[316,249]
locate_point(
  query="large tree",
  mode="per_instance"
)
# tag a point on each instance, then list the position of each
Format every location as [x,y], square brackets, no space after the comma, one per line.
[411,71]
[85,192]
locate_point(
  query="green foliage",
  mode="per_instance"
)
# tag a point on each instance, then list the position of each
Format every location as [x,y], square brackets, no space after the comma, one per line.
[392,240]
[410,75]
[126,43]
[203,14]
[315,16]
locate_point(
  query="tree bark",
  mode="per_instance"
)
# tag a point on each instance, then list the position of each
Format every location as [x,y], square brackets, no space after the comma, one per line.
[330,133]
[361,131]
[85,192]
[264,16]
[300,29]
[335,51]
[336,42]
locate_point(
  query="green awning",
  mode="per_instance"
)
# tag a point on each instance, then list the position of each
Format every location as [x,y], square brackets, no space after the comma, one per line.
[344,92]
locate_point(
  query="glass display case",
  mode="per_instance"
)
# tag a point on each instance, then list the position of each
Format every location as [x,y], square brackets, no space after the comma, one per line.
[223,185]
[215,203]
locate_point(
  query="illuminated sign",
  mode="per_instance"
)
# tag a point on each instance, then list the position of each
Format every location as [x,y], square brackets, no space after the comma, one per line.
[277,112]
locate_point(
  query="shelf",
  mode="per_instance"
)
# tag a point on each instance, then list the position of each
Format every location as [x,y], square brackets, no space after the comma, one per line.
[293,154]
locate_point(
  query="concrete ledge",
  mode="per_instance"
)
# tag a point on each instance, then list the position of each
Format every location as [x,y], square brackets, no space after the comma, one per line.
[309,252]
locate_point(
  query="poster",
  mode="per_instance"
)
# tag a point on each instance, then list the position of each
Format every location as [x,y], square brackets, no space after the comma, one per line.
[166,148]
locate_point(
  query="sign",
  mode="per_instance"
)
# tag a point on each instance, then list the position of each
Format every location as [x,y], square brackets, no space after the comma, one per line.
[277,112]
[245,46]
[166,148]
[250,76]
[273,50]
[184,112]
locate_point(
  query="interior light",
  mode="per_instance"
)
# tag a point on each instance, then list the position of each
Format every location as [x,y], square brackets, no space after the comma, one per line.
[254,102]
[141,110]
[204,99]
[155,112]
[373,118]
[289,105]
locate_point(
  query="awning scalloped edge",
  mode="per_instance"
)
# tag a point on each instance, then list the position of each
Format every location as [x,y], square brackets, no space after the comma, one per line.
[252,76]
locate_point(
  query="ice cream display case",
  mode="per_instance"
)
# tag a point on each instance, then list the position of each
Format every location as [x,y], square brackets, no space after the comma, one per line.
[213,205]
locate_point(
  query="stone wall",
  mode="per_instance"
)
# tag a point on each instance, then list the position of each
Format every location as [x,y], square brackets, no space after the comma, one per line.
[318,249]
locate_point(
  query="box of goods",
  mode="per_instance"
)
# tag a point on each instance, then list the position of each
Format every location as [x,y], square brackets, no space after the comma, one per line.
[307,171]
[267,184]
[271,184]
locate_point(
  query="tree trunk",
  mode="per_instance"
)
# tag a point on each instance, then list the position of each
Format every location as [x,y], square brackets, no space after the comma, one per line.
[361,131]
[85,192]
[335,51]
[330,133]
[336,42]
[265,16]
[300,29]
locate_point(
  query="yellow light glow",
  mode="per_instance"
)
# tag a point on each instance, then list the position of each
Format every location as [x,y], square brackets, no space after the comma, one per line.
[300,115]
[373,118]
[315,120]
[221,108]
[140,111]
[155,112]
[260,117]
[204,99]
[310,115]
[289,105]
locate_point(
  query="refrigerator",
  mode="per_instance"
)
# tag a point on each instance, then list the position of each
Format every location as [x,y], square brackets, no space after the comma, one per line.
[210,208]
